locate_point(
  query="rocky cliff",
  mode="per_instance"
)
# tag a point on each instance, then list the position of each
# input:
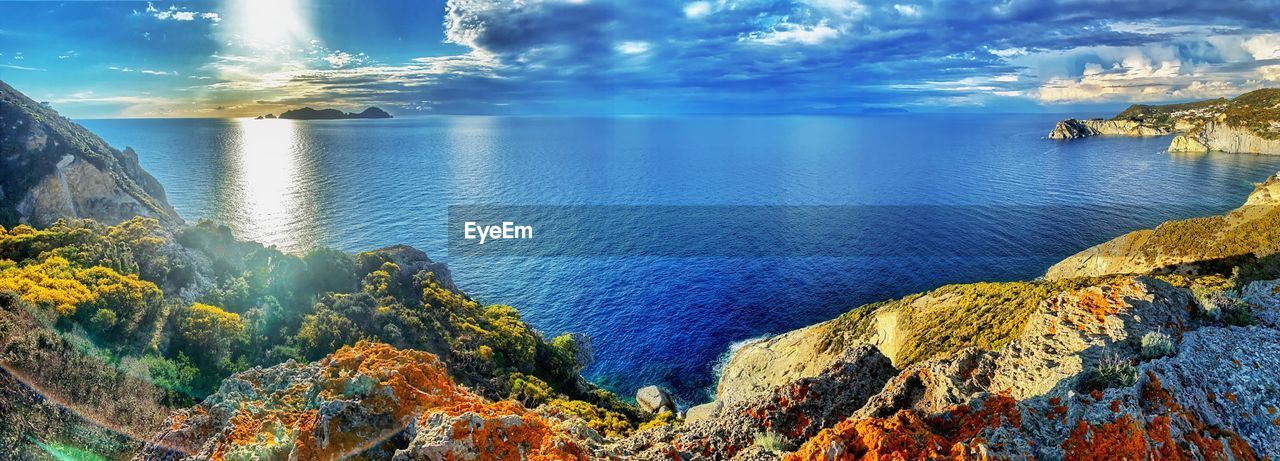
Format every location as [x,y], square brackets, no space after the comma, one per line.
[52,168]
[1075,129]
[1222,137]
[1247,124]
[1086,364]
[1246,233]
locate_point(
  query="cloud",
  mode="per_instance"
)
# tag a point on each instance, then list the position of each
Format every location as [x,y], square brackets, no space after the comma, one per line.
[142,71]
[907,10]
[17,67]
[697,9]
[633,47]
[754,55]
[174,13]
[786,33]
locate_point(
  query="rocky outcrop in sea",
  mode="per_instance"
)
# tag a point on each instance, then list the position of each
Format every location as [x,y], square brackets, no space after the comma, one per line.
[1076,129]
[1248,124]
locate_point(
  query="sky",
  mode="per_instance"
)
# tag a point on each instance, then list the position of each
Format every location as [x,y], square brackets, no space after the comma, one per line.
[234,58]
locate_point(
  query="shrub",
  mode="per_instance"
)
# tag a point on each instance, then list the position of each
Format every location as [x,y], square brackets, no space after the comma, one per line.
[665,418]
[770,441]
[1157,344]
[103,320]
[608,423]
[529,390]
[1110,372]
[1238,314]
[1221,306]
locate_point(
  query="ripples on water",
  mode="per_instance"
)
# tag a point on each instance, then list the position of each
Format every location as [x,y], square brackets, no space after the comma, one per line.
[362,184]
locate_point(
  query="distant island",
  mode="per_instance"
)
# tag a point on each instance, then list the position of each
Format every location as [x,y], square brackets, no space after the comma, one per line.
[307,113]
[1248,124]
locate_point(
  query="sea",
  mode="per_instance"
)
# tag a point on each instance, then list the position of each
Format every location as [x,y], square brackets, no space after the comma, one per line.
[720,229]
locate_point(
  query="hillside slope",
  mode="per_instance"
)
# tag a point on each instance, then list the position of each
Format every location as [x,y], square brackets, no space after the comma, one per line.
[52,168]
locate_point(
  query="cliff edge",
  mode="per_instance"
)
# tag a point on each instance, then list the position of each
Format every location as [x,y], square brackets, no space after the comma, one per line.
[52,168]
[1246,124]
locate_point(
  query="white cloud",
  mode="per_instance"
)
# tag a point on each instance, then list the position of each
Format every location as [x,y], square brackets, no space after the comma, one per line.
[1007,52]
[790,33]
[339,59]
[907,10]
[16,67]
[142,71]
[697,9]
[173,13]
[633,47]
[1269,73]
[1266,46]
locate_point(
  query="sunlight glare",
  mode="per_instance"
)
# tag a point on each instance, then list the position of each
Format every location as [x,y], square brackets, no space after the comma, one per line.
[268,192]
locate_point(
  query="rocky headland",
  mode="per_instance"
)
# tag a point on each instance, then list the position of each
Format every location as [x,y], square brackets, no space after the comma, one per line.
[154,339]
[54,169]
[1249,124]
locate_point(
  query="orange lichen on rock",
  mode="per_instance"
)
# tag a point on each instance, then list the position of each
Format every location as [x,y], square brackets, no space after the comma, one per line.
[908,435]
[392,388]
[1209,442]
[904,436]
[505,430]
[1122,440]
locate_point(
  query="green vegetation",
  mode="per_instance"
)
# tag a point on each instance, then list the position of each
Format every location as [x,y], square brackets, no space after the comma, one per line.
[1157,344]
[1112,371]
[187,307]
[1163,115]
[770,441]
[953,317]
[1258,111]
[606,422]
[1215,237]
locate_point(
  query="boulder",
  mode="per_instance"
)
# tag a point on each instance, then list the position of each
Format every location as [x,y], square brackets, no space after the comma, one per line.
[653,399]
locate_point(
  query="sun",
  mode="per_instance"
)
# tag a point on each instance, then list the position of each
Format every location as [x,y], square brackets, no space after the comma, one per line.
[269,24]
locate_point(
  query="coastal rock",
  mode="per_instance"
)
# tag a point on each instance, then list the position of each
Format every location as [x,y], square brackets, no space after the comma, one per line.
[1075,129]
[55,169]
[1180,246]
[791,413]
[702,412]
[411,261]
[368,400]
[653,399]
[1222,137]
[1213,399]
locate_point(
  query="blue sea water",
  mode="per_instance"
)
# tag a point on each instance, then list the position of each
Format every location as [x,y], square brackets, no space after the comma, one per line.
[363,184]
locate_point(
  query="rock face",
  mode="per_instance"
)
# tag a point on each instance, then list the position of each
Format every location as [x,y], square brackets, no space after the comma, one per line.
[1248,231]
[369,400]
[411,261]
[792,413]
[652,399]
[1075,129]
[1221,137]
[1211,399]
[1189,406]
[1248,124]
[51,168]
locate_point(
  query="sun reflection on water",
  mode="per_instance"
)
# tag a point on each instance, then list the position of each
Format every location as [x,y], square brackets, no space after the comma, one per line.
[266,198]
